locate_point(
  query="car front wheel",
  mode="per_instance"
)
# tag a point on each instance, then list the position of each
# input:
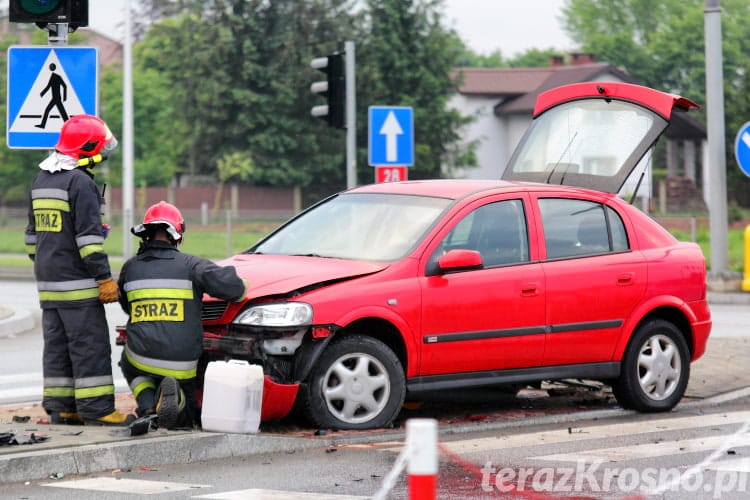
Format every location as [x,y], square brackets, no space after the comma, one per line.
[655,369]
[358,383]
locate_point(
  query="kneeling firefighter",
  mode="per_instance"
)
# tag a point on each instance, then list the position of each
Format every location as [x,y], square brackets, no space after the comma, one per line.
[161,290]
[65,239]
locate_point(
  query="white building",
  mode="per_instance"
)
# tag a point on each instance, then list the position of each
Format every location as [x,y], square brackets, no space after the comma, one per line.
[502,101]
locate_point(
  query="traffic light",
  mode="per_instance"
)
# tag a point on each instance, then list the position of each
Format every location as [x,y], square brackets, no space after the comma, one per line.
[333,89]
[42,12]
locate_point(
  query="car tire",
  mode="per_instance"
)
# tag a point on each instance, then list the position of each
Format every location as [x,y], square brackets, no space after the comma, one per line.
[357,383]
[655,368]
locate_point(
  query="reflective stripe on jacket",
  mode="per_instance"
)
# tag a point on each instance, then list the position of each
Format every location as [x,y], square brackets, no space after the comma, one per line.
[64,235]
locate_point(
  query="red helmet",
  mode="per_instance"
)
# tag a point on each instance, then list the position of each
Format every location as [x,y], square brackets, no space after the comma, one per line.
[84,136]
[162,214]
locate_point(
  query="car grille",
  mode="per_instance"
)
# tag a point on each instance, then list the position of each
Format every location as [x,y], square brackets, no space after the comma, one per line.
[213,310]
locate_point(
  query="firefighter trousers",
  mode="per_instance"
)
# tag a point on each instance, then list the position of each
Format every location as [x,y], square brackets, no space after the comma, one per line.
[145,388]
[77,361]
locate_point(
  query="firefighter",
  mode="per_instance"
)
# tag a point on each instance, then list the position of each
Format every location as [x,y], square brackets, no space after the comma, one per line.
[64,238]
[161,291]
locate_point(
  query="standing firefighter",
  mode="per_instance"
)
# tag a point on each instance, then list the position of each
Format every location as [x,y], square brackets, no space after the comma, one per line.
[161,291]
[65,238]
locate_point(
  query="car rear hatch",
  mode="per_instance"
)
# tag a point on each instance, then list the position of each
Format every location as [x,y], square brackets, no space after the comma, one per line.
[592,135]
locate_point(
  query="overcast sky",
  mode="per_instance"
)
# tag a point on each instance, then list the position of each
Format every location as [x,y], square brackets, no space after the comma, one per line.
[511,26]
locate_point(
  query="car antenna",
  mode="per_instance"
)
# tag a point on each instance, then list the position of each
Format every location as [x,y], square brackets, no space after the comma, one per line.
[637,186]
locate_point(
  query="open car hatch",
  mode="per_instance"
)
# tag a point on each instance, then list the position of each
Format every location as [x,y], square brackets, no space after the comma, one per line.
[592,135]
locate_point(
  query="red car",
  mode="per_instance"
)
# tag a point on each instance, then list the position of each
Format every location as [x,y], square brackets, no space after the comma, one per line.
[386,290]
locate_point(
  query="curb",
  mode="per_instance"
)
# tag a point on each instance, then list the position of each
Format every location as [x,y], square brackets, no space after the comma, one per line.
[142,452]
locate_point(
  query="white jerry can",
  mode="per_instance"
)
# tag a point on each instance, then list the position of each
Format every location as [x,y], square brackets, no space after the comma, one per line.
[232,397]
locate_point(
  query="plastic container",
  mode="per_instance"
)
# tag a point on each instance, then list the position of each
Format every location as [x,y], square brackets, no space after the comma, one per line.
[232,397]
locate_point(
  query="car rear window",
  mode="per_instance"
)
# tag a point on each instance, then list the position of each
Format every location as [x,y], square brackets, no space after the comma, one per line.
[574,228]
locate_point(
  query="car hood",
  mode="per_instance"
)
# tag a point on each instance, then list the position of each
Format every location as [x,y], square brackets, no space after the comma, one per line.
[283,274]
[592,135]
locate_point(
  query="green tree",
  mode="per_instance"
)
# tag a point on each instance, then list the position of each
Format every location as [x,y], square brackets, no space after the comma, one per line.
[407,60]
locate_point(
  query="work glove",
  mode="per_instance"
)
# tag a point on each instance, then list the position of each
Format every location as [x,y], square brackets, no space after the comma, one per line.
[108,291]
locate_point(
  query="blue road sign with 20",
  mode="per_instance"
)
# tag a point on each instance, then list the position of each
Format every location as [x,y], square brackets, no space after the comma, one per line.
[390,135]
[46,86]
[742,148]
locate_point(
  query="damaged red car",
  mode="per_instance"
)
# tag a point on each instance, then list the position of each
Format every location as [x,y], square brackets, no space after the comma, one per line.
[383,291]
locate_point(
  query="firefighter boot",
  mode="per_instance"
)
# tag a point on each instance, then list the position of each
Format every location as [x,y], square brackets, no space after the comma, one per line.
[170,403]
[65,418]
[113,419]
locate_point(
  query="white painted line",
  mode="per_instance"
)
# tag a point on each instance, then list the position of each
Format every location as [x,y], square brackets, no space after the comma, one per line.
[259,494]
[124,485]
[650,450]
[21,377]
[732,465]
[593,432]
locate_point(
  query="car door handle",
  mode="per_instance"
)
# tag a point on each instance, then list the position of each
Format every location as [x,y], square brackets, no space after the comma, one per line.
[625,279]
[529,289]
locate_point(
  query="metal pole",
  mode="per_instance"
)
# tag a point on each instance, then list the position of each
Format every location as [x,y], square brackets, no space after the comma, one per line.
[57,34]
[127,133]
[716,147]
[351,117]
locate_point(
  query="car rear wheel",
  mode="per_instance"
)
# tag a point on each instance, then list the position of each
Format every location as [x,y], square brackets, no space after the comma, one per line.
[358,383]
[655,369]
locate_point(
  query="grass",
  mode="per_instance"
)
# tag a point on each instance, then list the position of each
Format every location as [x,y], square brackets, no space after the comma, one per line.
[210,242]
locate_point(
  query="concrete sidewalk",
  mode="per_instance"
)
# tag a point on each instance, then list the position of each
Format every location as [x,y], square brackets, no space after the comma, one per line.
[65,450]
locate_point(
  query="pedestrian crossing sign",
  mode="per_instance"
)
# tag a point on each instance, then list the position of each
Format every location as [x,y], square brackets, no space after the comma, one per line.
[46,86]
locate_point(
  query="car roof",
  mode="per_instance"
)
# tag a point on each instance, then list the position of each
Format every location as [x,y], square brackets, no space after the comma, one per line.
[460,188]
[442,188]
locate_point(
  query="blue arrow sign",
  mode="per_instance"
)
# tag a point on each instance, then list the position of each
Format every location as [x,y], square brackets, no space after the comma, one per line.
[391,136]
[46,86]
[742,148]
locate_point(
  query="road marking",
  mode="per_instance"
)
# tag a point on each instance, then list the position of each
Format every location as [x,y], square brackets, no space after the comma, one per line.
[134,486]
[649,450]
[260,494]
[593,432]
[732,465]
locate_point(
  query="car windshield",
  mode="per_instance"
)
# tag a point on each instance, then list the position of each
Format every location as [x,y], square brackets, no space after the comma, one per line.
[587,142]
[363,226]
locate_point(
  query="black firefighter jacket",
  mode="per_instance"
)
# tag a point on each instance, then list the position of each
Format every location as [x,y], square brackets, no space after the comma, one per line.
[161,291]
[64,238]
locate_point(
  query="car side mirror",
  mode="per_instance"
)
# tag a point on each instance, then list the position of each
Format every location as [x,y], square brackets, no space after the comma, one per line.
[459,260]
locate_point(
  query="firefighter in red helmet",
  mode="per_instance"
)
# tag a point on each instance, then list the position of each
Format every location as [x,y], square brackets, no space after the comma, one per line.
[65,239]
[161,290]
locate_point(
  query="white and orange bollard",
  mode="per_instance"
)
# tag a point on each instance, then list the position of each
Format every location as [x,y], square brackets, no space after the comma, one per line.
[422,453]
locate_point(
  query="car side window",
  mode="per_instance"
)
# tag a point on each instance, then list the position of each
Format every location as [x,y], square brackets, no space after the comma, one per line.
[496,230]
[577,227]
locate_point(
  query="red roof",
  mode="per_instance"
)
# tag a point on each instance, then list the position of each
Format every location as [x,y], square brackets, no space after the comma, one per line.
[520,86]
